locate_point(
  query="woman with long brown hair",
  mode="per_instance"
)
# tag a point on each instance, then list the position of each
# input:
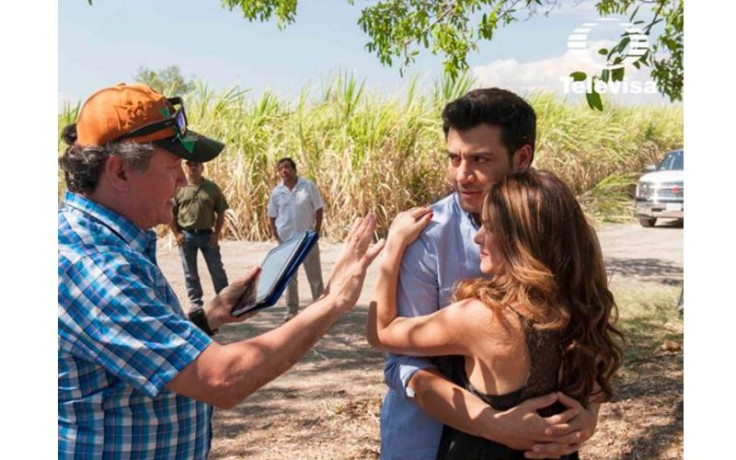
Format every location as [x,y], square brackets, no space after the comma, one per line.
[541,322]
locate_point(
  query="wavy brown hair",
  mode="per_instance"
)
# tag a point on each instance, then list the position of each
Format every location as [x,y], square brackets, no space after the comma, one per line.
[554,272]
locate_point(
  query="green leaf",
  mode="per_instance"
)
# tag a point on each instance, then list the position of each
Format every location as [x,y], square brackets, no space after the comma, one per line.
[450,29]
[622,44]
[605,74]
[579,76]
[654,23]
[594,100]
[636,10]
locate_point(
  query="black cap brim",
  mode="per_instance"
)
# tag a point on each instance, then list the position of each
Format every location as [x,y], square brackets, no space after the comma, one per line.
[201,148]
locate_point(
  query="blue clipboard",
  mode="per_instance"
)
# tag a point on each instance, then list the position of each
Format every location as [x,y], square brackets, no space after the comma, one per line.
[277,268]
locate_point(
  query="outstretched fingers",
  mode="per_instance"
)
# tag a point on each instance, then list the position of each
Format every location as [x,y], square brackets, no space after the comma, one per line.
[353,229]
[365,230]
[371,253]
[357,231]
[374,250]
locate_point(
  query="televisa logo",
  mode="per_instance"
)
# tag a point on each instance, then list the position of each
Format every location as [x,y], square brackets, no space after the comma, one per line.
[579,45]
[624,86]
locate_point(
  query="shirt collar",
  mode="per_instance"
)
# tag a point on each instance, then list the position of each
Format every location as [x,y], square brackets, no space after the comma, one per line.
[467,215]
[140,240]
[298,181]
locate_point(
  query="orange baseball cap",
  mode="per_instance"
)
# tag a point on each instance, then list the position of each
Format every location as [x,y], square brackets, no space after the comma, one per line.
[113,113]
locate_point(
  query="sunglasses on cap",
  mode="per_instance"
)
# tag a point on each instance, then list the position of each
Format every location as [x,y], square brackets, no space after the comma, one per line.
[178,121]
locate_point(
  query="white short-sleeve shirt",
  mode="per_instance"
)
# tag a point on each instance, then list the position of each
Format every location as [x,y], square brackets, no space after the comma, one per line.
[294,210]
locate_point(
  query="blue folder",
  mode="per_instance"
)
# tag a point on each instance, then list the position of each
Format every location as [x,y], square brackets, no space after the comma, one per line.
[277,268]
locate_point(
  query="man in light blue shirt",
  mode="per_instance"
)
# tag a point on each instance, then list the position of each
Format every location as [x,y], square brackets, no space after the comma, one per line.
[490,133]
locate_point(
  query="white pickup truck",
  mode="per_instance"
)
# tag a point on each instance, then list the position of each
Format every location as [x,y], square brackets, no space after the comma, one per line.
[660,193]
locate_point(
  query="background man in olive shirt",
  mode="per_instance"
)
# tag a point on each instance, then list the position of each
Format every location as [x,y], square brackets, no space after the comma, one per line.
[199,214]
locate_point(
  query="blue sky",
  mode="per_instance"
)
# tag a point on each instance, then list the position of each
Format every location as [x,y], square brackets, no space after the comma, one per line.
[103,44]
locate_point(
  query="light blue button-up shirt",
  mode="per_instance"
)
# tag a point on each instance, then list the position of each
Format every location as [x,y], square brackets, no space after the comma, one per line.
[443,255]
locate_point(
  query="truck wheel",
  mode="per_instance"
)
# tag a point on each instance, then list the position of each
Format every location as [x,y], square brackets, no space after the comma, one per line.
[648,222]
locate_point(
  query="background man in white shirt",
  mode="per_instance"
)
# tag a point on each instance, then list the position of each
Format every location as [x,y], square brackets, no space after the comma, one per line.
[296,206]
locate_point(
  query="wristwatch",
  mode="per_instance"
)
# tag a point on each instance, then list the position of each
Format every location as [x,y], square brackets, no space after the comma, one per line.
[198,317]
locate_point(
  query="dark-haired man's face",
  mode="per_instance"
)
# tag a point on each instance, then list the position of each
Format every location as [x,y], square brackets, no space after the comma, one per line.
[287,172]
[476,160]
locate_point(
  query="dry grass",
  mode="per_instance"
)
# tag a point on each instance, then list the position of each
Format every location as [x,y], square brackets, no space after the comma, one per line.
[368,151]
[645,419]
[327,406]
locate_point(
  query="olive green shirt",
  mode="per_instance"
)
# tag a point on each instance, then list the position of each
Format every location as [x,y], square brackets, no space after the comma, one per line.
[196,205]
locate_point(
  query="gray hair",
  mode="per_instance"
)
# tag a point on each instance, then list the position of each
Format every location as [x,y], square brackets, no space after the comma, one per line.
[83,166]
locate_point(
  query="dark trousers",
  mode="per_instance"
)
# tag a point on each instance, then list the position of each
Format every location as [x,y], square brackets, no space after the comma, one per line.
[188,252]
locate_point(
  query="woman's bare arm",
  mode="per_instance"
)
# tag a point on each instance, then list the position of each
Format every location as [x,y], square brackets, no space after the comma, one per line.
[440,333]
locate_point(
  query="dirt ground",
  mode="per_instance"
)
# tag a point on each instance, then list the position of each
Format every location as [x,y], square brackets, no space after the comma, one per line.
[327,406]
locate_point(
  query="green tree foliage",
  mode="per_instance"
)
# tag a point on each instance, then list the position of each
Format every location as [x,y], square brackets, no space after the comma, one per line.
[665,56]
[167,81]
[399,29]
[262,10]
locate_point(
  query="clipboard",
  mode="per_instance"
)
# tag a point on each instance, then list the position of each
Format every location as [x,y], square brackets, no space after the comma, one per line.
[277,268]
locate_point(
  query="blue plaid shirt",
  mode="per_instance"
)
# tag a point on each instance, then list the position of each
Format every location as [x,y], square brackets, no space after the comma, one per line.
[122,337]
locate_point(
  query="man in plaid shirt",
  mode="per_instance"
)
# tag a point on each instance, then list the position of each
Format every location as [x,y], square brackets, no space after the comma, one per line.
[137,375]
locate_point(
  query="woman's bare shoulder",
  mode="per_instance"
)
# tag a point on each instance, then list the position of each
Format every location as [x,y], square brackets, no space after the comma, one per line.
[469,316]
[470,308]
[476,314]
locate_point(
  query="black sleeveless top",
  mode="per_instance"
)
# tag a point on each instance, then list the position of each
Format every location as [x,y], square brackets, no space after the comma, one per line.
[545,356]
